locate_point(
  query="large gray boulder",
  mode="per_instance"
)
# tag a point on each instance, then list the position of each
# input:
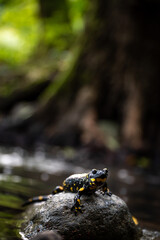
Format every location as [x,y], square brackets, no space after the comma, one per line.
[104,217]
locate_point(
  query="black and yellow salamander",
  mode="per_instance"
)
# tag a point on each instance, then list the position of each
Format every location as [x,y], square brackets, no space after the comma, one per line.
[82,184]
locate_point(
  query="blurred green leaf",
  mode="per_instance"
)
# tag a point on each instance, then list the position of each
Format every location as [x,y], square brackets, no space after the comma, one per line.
[19,30]
[76,11]
[144,162]
[7,200]
[23,31]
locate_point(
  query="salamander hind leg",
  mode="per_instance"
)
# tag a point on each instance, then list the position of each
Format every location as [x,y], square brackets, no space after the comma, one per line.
[57,189]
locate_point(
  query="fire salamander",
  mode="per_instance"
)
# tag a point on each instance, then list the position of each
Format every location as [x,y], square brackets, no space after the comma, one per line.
[82,184]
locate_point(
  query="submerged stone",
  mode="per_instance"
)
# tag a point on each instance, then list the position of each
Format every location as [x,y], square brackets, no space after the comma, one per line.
[104,217]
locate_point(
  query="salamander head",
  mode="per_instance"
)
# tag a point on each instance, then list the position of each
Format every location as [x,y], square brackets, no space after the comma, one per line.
[98,177]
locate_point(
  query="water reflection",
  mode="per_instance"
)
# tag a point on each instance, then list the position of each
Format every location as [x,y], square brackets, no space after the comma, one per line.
[39,160]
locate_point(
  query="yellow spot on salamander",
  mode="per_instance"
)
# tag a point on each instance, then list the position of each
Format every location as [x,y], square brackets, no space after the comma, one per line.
[77,188]
[71,189]
[135,220]
[78,200]
[93,179]
[61,188]
[40,198]
[81,189]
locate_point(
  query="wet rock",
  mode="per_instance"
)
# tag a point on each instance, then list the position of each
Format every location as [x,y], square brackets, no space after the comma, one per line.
[104,217]
[150,235]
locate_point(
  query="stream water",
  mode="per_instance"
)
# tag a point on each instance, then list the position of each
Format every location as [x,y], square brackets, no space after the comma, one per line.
[24,174]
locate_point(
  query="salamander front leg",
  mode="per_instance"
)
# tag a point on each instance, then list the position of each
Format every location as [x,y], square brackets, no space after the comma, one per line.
[106,190]
[77,206]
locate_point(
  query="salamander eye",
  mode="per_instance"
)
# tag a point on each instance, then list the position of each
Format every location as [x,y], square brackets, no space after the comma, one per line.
[105,170]
[94,171]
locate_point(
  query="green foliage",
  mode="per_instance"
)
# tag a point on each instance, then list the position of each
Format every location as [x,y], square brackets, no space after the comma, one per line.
[144,162]
[22,29]
[76,12]
[68,65]
[19,30]
[10,201]
[66,23]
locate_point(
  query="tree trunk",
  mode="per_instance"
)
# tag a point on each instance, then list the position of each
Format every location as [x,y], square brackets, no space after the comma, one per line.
[118,65]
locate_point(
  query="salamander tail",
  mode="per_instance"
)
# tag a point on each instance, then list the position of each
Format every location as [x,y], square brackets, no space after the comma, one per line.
[36,200]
